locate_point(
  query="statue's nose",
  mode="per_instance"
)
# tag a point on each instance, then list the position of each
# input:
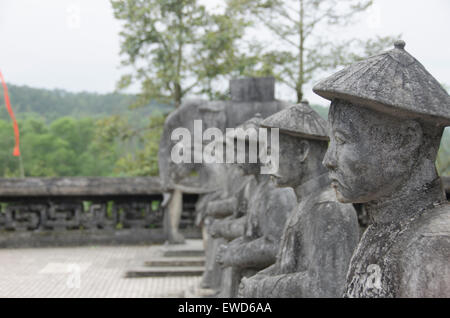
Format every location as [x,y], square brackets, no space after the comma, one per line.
[329,160]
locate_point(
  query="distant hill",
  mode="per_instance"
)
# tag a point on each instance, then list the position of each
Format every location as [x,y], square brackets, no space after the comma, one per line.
[53,104]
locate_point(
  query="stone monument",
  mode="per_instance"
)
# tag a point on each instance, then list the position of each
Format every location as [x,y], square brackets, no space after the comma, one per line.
[321,233]
[387,117]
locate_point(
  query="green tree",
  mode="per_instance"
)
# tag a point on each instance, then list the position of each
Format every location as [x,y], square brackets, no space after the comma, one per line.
[145,161]
[175,47]
[9,163]
[302,46]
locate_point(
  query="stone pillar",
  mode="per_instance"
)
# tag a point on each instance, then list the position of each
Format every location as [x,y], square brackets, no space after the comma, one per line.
[250,96]
[252,89]
[172,218]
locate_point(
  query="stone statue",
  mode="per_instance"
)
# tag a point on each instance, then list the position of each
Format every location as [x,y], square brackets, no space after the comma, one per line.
[177,178]
[321,233]
[222,205]
[225,219]
[387,117]
[267,210]
[248,96]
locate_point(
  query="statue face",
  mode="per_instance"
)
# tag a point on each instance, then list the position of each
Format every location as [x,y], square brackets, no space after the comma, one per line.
[293,152]
[370,154]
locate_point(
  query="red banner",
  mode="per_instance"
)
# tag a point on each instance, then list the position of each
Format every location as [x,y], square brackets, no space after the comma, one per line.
[16,151]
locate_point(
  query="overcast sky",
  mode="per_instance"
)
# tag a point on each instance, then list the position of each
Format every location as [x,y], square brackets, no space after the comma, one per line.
[74,44]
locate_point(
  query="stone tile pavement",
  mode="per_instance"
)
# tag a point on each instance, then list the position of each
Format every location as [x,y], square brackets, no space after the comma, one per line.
[96,271]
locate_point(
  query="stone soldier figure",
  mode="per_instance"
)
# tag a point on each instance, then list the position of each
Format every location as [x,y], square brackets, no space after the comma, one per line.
[387,117]
[266,215]
[321,234]
[227,219]
[248,97]
[225,205]
[233,225]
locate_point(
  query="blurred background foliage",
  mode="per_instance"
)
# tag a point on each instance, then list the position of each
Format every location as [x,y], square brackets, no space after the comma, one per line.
[80,134]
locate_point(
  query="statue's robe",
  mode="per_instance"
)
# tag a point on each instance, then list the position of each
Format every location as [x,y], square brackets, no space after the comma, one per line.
[266,216]
[406,253]
[315,251]
[228,205]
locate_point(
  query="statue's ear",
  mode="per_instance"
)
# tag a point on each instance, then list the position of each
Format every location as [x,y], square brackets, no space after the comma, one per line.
[412,135]
[303,150]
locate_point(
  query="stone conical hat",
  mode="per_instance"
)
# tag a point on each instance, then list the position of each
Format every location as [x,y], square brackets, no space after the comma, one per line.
[253,124]
[299,120]
[393,82]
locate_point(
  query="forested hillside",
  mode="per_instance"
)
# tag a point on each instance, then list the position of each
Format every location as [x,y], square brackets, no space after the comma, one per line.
[79,134]
[53,104]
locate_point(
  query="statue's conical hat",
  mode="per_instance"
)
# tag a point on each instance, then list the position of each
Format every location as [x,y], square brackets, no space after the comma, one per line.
[299,120]
[393,82]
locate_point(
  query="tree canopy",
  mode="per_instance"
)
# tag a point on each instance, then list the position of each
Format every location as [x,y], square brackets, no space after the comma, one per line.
[303,37]
[176,47]
[79,134]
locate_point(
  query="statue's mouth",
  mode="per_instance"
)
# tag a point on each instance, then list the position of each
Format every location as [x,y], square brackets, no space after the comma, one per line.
[335,183]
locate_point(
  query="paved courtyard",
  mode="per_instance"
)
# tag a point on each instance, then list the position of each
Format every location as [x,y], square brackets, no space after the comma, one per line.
[84,272]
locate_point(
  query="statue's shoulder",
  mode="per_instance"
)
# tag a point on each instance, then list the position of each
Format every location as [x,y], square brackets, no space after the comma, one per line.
[425,257]
[331,222]
[432,224]
[283,198]
[326,201]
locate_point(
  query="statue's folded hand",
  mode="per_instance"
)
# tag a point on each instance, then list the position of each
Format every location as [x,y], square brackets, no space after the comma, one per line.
[213,230]
[247,288]
[241,290]
[222,255]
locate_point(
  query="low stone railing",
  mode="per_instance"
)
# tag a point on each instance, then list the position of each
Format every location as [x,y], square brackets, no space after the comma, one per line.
[79,211]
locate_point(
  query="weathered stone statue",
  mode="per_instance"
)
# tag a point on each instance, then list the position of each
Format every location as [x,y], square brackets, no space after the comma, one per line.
[248,97]
[177,178]
[321,233]
[232,225]
[387,117]
[267,210]
[226,220]
[227,204]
